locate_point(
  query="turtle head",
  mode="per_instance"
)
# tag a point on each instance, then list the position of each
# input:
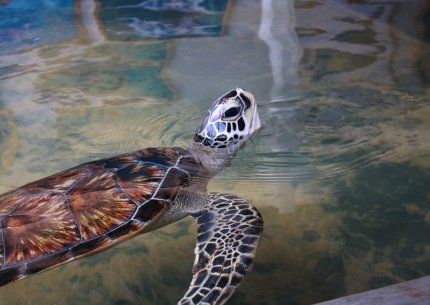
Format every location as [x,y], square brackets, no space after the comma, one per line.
[230,122]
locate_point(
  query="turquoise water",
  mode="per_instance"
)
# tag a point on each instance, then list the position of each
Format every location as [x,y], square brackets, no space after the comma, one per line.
[340,170]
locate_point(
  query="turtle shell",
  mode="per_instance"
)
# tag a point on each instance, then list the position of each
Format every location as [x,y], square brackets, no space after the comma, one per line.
[87,208]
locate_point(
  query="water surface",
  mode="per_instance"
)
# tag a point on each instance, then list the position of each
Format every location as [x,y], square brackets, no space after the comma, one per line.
[340,170]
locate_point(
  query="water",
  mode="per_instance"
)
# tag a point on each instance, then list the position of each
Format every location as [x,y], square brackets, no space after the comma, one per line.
[340,170]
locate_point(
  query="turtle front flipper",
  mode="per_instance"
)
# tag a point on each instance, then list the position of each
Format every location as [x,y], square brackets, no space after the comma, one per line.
[229,231]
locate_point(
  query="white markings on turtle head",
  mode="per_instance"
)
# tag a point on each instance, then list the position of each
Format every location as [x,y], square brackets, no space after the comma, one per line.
[232,120]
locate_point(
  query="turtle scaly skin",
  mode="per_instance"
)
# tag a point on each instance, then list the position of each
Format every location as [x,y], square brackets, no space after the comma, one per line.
[96,205]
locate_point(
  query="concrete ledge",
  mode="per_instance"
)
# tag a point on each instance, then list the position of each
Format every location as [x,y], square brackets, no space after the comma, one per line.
[415,292]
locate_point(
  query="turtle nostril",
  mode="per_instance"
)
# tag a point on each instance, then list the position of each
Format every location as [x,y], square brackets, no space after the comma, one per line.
[246,100]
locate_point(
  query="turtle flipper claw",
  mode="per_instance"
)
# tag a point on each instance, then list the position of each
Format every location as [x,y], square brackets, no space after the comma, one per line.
[229,232]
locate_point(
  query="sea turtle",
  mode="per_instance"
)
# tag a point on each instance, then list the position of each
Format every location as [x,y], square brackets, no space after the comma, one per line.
[95,205]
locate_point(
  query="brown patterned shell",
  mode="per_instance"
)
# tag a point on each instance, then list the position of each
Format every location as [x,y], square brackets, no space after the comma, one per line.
[87,208]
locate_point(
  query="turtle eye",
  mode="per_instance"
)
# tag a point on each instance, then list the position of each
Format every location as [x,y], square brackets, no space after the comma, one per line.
[231,112]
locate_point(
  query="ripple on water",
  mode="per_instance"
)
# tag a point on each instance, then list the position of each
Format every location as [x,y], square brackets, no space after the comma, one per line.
[161,126]
[9,141]
[332,133]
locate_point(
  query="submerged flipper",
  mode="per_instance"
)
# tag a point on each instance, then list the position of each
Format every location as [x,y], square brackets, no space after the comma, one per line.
[229,231]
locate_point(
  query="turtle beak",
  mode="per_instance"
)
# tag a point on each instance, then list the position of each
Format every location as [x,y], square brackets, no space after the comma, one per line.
[256,123]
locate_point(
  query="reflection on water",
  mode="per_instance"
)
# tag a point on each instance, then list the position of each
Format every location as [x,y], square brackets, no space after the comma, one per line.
[162,19]
[340,170]
[24,24]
